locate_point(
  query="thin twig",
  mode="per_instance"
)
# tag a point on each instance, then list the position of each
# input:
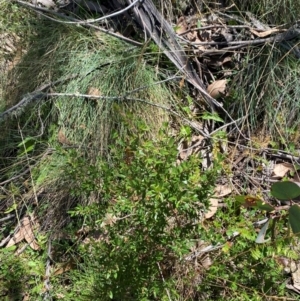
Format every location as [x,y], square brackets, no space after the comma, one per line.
[120,12]
[285,36]
[47,295]
[132,99]
[25,171]
[163,279]
[36,95]
[5,241]
[219,26]
[227,124]
[41,123]
[15,177]
[10,216]
[21,250]
[88,96]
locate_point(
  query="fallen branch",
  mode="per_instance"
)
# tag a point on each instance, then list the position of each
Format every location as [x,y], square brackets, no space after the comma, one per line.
[35,96]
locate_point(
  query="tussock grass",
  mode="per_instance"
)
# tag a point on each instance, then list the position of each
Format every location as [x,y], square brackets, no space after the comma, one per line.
[99,65]
[266,91]
[103,65]
[265,88]
[272,12]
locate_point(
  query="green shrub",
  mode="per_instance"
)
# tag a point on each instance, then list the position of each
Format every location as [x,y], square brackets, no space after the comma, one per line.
[148,212]
[12,275]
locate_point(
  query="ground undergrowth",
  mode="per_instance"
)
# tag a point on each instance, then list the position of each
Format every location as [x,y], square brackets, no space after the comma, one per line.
[110,191]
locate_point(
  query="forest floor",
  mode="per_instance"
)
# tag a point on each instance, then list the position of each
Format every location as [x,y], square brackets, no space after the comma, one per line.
[161,151]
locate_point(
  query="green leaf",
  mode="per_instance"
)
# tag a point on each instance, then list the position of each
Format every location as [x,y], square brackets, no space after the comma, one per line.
[32,264]
[285,190]
[214,116]
[8,250]
[27,150]
[26,141]
[190,100]
[187,110]
[294,218]
[11,208]
[26,146]
[185,131]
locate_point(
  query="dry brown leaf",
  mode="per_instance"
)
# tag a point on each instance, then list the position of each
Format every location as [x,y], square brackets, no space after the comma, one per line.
[27,229]
[222,190]
[264,33]
[18,236]
[93,92]
[24,231]
[61,137]
[281,169]
[186,149]
[217,88]
[294,267]
[181,26]
[109,219]
[206,262]
[212,208]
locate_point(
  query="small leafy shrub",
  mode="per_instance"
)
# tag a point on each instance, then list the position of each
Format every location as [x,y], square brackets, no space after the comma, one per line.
[148,212]
[147,217]
[12,273]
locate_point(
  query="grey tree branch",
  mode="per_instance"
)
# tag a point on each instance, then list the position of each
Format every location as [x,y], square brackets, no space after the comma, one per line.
[37,95]
[17,109]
